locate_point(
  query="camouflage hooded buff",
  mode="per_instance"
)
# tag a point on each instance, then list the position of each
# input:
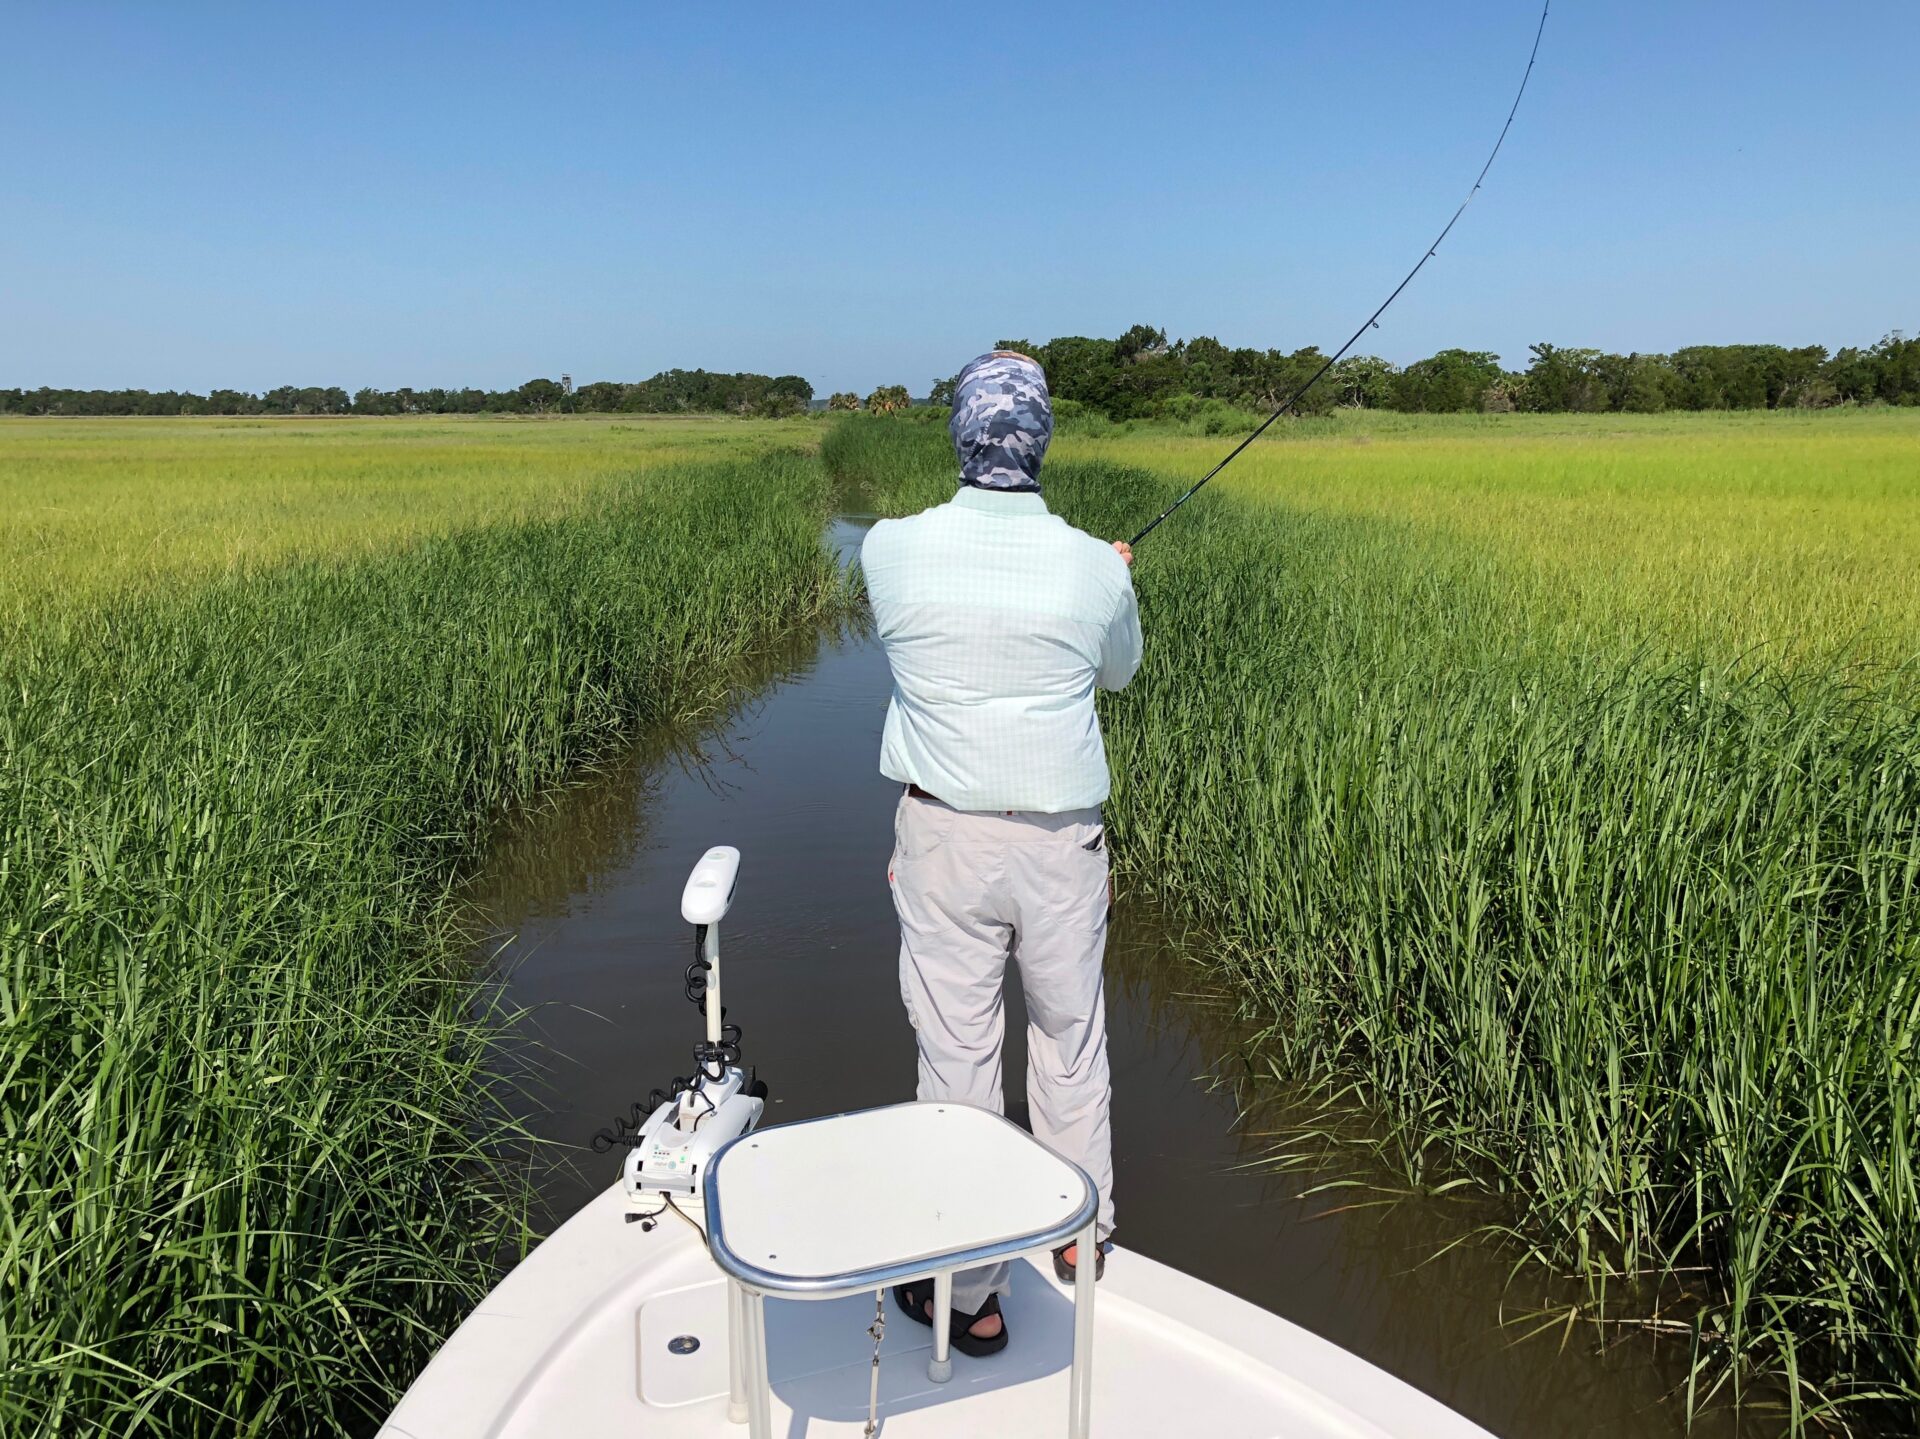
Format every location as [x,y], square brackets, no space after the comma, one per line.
[1002,420]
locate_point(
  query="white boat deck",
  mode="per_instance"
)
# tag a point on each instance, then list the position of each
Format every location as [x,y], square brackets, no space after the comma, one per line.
[574,1344]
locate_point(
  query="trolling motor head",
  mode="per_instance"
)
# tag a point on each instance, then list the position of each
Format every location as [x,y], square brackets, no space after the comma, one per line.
[703,904]
[721,1101]
[709,892]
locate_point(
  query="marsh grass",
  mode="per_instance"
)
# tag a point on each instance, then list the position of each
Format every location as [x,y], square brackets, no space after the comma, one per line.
[250,1108]
[1789,533]
[1622,920]
[100,505]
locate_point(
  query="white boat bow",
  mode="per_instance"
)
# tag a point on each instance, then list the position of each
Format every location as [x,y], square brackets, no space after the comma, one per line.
[580,1340]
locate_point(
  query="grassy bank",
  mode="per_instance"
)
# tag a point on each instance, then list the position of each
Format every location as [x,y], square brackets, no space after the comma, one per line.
[1793,533]
[1615,906]
[95,506]
[244,1094]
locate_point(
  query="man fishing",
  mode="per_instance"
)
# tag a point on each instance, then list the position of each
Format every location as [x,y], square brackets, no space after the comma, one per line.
[999,621]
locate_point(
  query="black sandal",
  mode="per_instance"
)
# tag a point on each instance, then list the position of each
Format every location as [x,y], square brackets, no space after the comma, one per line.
[914,1299]
[1064,1270]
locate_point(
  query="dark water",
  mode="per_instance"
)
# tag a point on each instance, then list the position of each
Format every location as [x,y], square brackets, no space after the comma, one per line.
[586,900]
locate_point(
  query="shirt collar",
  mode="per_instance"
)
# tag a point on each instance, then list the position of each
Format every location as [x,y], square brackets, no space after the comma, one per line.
[1003,504]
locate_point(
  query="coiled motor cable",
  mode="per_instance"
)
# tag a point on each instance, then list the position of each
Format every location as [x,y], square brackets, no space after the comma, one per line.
[713,1059]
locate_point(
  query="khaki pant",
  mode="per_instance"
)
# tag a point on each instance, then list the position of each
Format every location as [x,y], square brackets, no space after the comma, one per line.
[972,889]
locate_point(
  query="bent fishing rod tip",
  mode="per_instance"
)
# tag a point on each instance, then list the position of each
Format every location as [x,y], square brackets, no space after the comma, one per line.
[1372,322]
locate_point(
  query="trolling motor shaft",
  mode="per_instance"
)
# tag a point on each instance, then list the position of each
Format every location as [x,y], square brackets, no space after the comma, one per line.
[672,1149]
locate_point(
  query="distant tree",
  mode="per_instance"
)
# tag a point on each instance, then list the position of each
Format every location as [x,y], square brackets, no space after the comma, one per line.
[1898,360]
[598,395]
[1140,342]
[1207,365]
[1270,378]
[305,400]
[1797,379]
[1887,372]
[1451,382]
[538,396]
[1853,375]
[1078,368]
[1635,383]
[888,398]
[1719,377]
[785,395]
[843,400]
[1362,382]
[1566,379]
[940,392]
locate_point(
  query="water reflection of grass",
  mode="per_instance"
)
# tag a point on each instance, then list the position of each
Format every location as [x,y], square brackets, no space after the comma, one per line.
[1392,1252]
[589,828]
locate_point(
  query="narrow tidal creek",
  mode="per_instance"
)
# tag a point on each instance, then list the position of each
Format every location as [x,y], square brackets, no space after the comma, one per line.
[583,899]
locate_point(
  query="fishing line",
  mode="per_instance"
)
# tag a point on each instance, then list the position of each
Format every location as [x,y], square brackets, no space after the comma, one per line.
[1373,319]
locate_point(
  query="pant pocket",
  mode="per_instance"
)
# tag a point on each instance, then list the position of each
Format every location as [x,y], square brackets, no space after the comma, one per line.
[920,826]
[1067,889]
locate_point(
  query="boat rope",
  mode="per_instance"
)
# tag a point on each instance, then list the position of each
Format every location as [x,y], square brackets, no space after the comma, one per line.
[878,1330]
[1373,319]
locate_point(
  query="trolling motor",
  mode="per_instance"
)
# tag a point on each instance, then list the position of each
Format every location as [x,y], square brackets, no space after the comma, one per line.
[669,1153]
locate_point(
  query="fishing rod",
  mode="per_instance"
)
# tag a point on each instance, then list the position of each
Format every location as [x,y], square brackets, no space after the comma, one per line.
[1373,319]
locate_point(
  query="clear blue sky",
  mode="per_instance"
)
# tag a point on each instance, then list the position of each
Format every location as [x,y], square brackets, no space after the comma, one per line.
[251,195]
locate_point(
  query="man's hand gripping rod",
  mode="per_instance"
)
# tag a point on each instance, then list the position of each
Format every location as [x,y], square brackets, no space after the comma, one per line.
[1373,319]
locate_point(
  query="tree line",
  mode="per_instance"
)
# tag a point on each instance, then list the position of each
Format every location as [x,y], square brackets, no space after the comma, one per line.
[669,392]
[1143,374]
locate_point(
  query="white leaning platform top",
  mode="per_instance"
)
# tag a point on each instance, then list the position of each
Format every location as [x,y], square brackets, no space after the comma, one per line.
[866,1199]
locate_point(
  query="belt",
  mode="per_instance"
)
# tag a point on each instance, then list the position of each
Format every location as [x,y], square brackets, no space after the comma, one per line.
[915,792]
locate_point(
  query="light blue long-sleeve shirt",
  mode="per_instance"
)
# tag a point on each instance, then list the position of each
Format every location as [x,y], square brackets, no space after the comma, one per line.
[999,620]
